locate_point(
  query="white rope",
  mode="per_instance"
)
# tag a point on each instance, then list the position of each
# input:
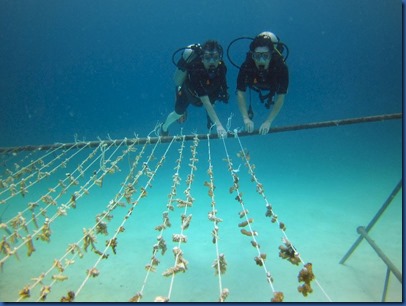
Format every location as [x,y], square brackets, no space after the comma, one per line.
[251,231]
[176,180]
[67,206]
[12,186]
[189,199]
[107,166]
[261,191]
[40,177]
[222,294]
[24,225]
[126,217]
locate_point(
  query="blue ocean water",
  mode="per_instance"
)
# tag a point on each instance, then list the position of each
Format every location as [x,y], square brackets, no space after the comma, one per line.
[90,69]
[94,68]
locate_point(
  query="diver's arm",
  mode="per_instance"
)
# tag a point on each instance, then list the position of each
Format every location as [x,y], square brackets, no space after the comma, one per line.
[213,116]
[280,99]
[264,129]
[242,106]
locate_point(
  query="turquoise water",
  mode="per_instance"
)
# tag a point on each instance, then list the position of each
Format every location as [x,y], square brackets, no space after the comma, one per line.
[99,70]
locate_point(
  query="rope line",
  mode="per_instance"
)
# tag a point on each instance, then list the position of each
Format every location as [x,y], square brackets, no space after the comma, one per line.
[45,232]
[19,222]
[260,259]
[35,220]
[220,263]
[180,264]
[161,245]
[288,251]
[113,241]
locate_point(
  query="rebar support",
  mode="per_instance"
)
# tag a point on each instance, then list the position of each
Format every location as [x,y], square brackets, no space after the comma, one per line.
[373,221]
[361,230]
[390,266]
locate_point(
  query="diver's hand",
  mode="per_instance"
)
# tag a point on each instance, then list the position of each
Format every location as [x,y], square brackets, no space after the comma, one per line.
[221,132]
[249,125]
[264,129]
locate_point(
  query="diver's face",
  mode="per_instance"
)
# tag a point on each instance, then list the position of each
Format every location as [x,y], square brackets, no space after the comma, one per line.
[262,57]
[210,59]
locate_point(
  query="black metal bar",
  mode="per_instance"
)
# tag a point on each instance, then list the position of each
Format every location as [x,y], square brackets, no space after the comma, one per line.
[373,221]
[152,140]
[386,260]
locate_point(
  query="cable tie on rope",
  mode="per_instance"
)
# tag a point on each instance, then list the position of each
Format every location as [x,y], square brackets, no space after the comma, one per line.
[235,133]
[237,170]
[228,125]
[157,128]
[211,127]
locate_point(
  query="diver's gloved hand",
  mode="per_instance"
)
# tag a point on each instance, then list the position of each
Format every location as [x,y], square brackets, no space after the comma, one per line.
[249,125]
[221,132]
[264,129]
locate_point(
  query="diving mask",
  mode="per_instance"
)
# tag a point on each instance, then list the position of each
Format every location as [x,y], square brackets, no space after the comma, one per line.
[211,56]
[261,56]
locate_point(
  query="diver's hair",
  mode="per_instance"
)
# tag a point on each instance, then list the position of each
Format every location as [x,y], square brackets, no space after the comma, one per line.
[212,45]
[261,41]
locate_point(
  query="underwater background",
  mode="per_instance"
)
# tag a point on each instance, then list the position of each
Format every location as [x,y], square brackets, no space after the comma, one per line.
[83,70]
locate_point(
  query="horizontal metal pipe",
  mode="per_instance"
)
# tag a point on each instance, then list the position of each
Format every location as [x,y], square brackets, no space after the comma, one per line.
[164,139]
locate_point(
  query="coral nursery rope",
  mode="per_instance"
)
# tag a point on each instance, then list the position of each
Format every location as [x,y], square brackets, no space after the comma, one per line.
[179,260]
[23,187]
[166,223]
[33,169]
[275,218]
[130,211]
[22,224]
[62,211]
[23,231]
[251,232]
[220,260]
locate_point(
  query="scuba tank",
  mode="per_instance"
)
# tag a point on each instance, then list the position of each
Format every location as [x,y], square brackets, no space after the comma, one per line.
[189,53]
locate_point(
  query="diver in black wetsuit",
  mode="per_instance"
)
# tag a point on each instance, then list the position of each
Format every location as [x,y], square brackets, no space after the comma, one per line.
[264,70]
[200,80]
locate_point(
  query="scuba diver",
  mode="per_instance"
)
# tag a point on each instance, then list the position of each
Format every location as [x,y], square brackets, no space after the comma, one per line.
[264,71]
[200,80]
